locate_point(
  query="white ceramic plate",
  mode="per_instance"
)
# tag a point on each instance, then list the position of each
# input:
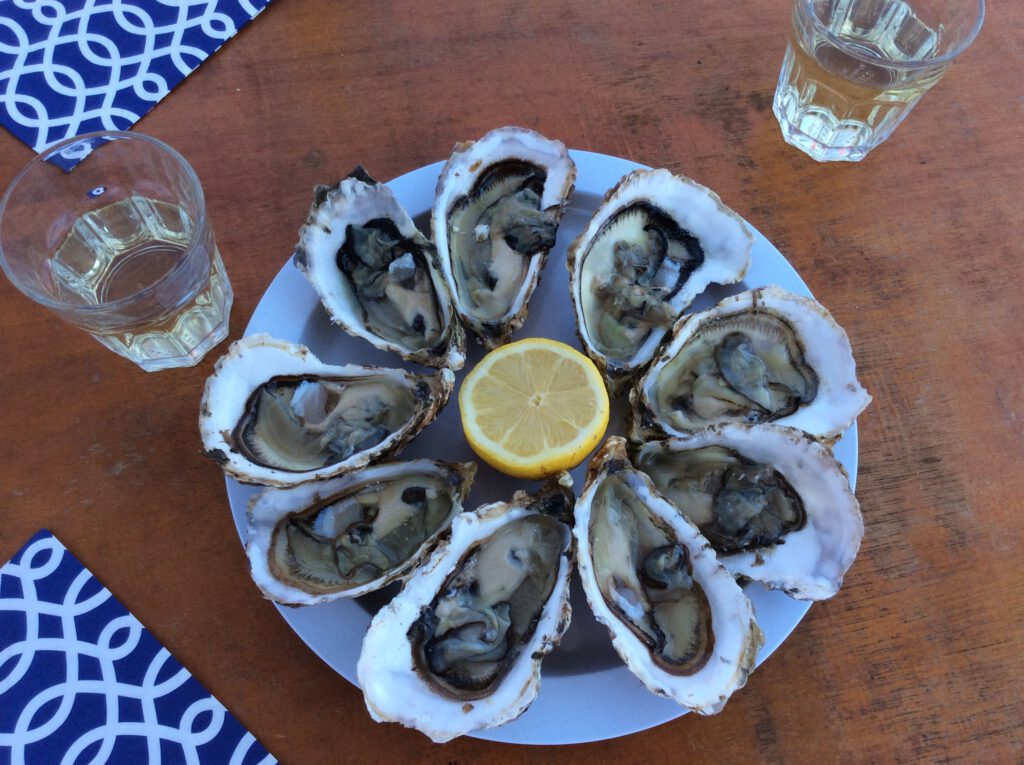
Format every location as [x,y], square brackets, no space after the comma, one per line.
[587,694]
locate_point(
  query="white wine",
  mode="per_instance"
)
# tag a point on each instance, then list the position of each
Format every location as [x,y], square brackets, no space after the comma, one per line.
[120,246]
[838,100]
[164,292]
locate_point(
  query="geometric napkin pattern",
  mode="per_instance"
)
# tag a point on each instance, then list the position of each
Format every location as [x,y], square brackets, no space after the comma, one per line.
[69,67]
[82,681]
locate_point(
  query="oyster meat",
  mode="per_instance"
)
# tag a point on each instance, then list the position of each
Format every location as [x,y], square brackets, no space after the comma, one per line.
[347,536]
[376,274]
[764,355]
[459,648]
[676,616]
[272,413]
[499,202]
[773,502]
[655,243]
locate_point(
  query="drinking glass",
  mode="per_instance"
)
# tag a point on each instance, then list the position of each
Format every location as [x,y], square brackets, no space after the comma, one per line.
[119,245]
[855,68]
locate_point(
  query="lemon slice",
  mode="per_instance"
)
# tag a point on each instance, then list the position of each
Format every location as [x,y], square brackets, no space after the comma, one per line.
[533,408]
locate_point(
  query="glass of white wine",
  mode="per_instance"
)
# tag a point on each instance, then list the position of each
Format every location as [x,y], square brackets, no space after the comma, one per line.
[120,245]
[855,68]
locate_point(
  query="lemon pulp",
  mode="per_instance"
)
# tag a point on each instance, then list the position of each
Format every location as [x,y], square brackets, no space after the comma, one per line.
[533,408]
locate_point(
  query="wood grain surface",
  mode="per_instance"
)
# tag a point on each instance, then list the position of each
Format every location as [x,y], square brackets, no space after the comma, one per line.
[916,251]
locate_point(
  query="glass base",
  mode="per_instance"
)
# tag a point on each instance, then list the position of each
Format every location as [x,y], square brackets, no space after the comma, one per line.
[185,338]
[814,148]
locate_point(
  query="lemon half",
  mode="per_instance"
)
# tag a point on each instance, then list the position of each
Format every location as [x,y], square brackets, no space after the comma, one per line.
[533,408]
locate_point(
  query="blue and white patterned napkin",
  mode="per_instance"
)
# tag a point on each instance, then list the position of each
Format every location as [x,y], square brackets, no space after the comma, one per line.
[82,681]
[69,67]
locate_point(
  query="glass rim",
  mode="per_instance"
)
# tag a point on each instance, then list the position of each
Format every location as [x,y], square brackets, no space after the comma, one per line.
[100,308]
[839,42]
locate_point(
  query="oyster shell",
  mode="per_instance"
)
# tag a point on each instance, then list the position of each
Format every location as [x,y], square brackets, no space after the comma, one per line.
[459,649]
[498,206]
[676,616]
[274,414]
[655,243]
[773,502]
[376,274]
[347,536]
[765,355]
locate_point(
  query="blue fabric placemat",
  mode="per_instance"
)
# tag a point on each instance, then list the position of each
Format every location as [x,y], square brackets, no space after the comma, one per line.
[82,681]
[69,67]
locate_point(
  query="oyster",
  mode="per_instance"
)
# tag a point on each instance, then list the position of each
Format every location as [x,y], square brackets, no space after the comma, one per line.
[773,502]
[499,202]
[351,535]
[676,616]
[764,355]
[376,274]
[272,413]
[459,649]
[653,245]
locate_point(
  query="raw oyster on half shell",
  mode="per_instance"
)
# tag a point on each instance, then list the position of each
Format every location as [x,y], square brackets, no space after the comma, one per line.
[773,502]
[376,274]
[459,648]
[499,202]
[274,414]
[765,355]
[347,536]
[655,243]
[677,618]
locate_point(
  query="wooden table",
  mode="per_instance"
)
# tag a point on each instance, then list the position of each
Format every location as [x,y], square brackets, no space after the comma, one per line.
[916,251]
